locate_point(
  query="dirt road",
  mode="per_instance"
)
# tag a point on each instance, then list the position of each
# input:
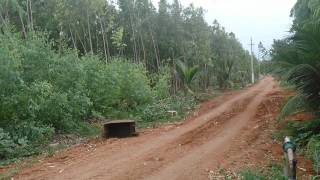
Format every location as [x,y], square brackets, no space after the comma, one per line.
[222,134]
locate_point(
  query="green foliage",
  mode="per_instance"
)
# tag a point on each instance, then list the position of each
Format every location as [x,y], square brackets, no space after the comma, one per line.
[161,84]
[7,145]
[297,61]
[302,132]
[186,74]
[297,57]
[276,172]
[117,40]
[43,92]
[157,112]
[306,135]
[251,175]
[46,88]
[307,78]
[137,31]
[295,104]
[134,87]
[313,152]
[273,173]
[119,85]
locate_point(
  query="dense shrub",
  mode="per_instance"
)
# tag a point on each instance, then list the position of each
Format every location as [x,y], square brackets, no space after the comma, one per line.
[43,92]
[158,111]
[7,145]
[117,86]
[160,83]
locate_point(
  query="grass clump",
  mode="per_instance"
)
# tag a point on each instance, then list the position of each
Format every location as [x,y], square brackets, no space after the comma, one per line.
[275,172]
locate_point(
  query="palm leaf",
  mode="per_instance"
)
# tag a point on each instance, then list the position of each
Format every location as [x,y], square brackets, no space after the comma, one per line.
[187,74]
[191,74]
[307,81]
[181,69]
[295,104]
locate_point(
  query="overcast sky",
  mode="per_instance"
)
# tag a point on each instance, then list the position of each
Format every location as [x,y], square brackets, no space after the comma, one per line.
[264,20]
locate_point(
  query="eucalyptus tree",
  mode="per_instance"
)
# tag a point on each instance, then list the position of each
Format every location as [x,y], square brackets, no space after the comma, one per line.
[128,22]
[135,30]
[15,11]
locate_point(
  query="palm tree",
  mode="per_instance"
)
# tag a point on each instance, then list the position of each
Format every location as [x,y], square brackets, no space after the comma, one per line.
[303,71]
[186,74]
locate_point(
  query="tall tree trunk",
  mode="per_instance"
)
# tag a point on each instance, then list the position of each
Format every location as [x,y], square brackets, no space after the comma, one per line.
[83,45]
[97,42]
[206,79]
[158,52]
[154,43]
[31,15]
[89,31]
[104,41]
[24,33]
[133,33]
[85,39]
[144,51]
[72,38]
[6,10]
[28,14]
[155,49]
[3,19]
[174,83]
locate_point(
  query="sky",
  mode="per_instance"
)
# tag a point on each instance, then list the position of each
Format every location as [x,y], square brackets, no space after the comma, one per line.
[263,20]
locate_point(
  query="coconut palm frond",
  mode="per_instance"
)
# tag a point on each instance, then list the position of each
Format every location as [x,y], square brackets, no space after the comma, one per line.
[191,74]
[187,74]
[307,80]
[181,69]
[294,105]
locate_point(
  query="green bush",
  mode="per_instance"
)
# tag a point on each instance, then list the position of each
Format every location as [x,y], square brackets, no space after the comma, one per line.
[7,145]
[43,92]
[157,112]
[161,84]
[134,85]
[117,86]
[15,147]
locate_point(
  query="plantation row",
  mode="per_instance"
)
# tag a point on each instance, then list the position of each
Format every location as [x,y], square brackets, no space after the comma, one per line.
[139,31]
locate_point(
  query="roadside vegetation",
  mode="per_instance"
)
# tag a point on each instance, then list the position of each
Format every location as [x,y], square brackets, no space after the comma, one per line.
[295,62]
[65,63]
[297,59]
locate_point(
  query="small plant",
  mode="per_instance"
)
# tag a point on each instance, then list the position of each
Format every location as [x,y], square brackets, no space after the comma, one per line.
[187,74]
[313,152]
[251,175]
[273,173]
